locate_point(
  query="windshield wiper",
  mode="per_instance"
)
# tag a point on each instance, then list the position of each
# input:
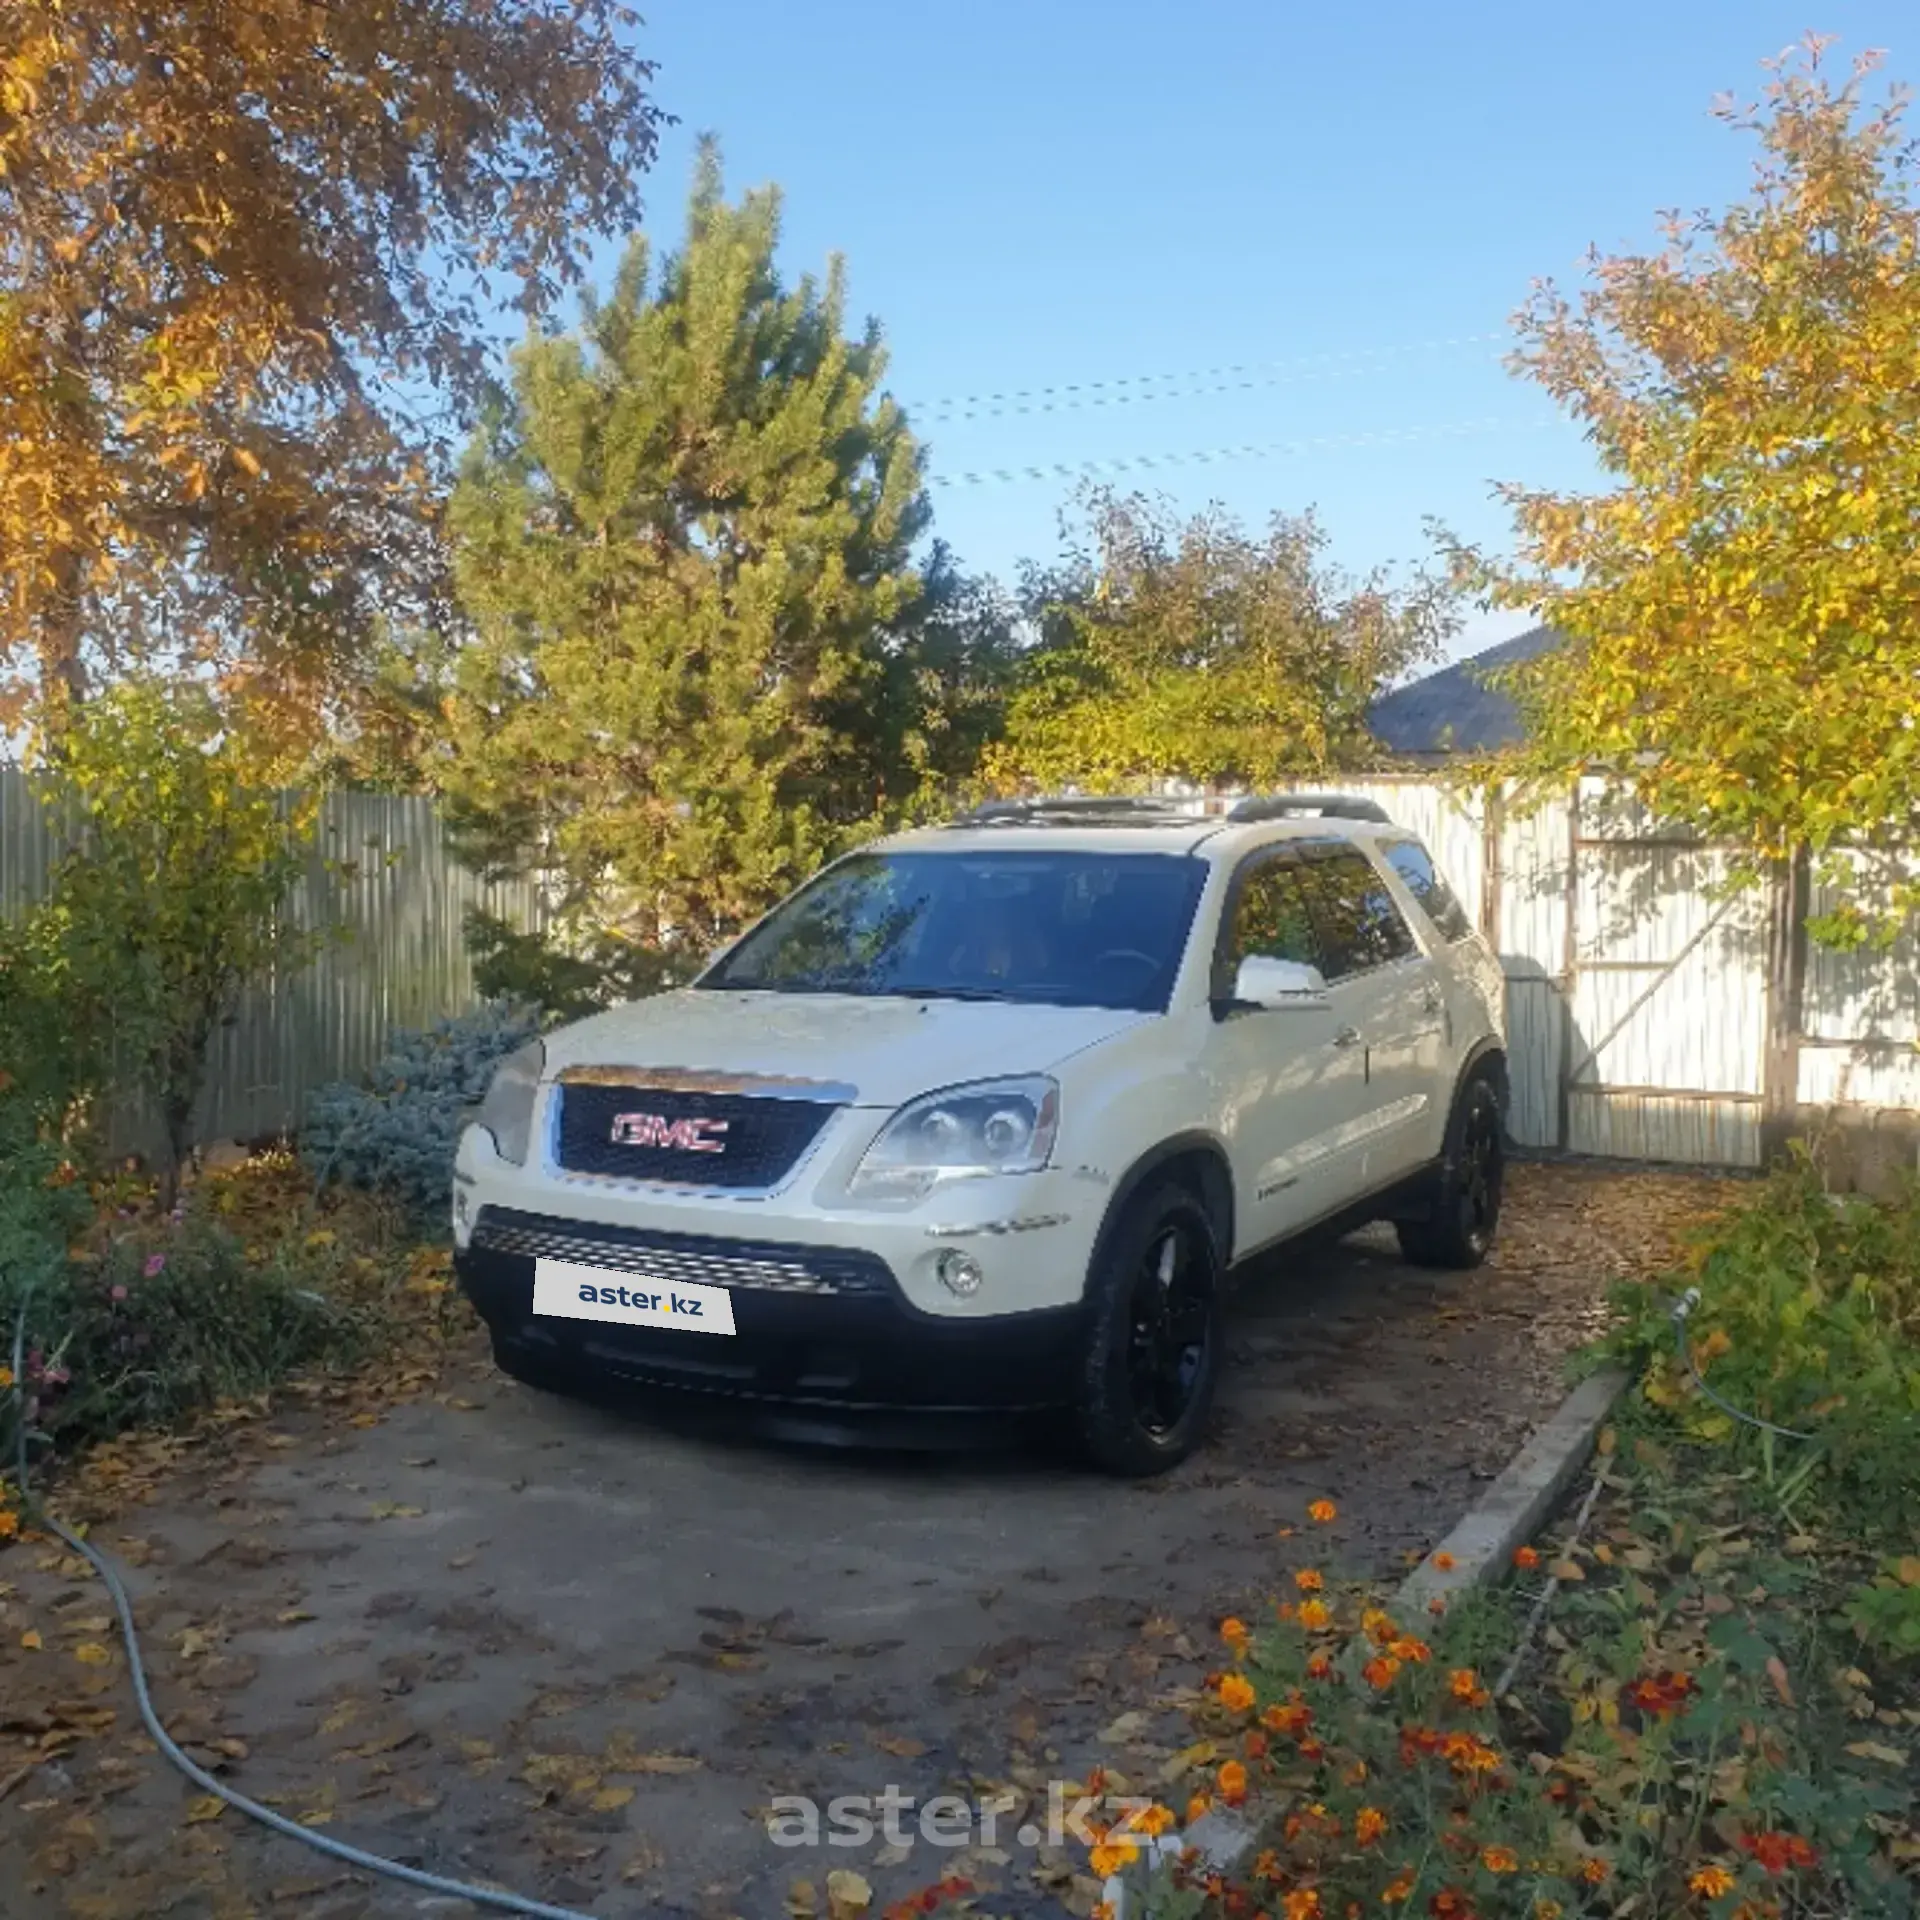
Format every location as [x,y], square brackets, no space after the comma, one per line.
[952,993]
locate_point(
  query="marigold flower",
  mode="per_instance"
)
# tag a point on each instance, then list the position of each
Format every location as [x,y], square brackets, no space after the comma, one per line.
[1234,1633]
[1308,1580]
[1154,1821]
[1711,1881]
[1110,1856]
[1449,1904]
[1315,1616]
[1292,1719]
[1663,1695]
[1232,1780]
[1368,1825]
[1443,1563]
[1100,1910]
[1595,1872]
[1236,1693]
[1500,1860]
[1415,1652]
[1301,1904]
[1379,1671]
[9,1524]
[1323,1511]
[1397,1891]
[1255,1746]
[1463,1683]
[1266,1865]
[1526,1559]
[1320,1666]
[1197,1806]
[1778,1852]
[1378,1626]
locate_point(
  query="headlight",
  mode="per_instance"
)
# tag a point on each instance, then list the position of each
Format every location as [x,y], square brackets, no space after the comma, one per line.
[507,1111]
[993,1126]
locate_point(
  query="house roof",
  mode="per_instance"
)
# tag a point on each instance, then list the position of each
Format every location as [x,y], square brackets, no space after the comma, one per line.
[1454,710]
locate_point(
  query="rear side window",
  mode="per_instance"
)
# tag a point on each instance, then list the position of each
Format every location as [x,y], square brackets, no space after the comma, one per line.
[1354,916]
[1411,861]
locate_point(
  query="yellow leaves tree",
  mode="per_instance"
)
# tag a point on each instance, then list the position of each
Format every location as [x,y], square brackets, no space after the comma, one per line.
[1197,651]
[248,253]
[1743,604]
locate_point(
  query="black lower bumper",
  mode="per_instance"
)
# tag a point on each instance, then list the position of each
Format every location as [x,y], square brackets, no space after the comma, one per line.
[861,1349]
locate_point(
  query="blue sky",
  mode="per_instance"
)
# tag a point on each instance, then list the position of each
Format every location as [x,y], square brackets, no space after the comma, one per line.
[1342,204]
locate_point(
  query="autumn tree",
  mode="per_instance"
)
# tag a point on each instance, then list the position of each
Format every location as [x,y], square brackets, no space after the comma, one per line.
[1743,601]
[702,657]
[248,252]
[1196,650]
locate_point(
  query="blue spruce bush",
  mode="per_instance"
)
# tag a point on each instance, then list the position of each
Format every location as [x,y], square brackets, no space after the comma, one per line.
[396,1131]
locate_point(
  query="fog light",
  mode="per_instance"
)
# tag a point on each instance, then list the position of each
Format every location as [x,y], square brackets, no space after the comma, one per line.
[959,1272]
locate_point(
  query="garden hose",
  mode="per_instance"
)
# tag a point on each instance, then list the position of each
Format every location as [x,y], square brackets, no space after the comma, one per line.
[1688,1301]
[321,1843]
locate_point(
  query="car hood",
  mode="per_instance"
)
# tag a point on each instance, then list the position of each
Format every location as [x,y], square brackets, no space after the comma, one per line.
[888,1050]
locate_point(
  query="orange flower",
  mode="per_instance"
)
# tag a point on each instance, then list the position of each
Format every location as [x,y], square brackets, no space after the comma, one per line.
[1595,1872]
[1314,1616]
[1711,1881]
[1233,1783]
[1407,1648]
[1664,1695]
[1777,1852]
[1463,1683]
[1292,1719]
[1308,1580]
[1397,1890]
[1443,1563]
[1378,1626]
[1109,1859]
[1322,1511]
[1154,1821]
[1234,1633]
[1197,1806]
[1525,1559]
[1368,1825]
[1236,1693]
[1301,1904]
[1320,1666]
[1379,1671]
[9,1524]
[1500,1860]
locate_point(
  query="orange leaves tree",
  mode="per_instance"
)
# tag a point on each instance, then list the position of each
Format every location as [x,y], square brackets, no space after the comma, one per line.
[1743,603]
[248,249]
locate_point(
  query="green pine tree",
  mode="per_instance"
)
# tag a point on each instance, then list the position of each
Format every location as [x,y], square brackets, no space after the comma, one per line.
[702,659]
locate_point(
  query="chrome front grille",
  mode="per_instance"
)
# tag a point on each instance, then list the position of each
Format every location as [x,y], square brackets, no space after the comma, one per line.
[766,1269]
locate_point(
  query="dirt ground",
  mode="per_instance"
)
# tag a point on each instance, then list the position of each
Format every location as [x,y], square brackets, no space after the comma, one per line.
[579,1653]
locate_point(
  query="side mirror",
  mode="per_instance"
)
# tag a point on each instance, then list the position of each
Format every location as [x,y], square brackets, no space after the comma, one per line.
[1273,984]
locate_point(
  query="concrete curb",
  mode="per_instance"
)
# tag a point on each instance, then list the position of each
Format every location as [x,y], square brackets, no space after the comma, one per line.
[1481,1546]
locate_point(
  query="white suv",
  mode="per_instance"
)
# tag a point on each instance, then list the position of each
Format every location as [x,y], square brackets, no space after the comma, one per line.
[984,1116]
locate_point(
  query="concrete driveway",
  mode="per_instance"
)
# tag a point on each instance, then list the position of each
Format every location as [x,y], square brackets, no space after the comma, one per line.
[579,1653]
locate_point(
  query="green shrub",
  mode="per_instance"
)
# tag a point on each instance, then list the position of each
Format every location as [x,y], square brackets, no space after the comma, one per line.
[1809,1317]
[396,1132]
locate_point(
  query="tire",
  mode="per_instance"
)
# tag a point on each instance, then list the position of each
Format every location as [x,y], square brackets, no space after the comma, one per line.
[1459,1232]
[1152,1352]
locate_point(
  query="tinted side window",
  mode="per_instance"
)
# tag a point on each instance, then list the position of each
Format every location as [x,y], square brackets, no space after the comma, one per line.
[1270,918]
[1354,916]
[1411,861]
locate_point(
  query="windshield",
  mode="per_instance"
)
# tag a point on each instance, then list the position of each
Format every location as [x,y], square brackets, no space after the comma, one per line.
[1066,929]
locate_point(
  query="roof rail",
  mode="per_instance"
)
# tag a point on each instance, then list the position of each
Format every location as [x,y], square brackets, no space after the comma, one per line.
[1330,806]
[1064,806]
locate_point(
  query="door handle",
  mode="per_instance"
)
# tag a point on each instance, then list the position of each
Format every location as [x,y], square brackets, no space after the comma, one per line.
[1347,1037]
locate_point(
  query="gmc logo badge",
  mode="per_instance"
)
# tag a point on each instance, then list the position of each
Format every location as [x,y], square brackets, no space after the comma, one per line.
[677,1136]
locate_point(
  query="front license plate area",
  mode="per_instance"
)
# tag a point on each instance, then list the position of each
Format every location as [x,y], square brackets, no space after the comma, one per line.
[566,1290]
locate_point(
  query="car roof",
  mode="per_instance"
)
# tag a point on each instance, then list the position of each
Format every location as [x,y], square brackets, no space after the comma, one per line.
[1212,837]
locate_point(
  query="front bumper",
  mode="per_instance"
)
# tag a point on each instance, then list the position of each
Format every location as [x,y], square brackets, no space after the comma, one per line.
[816,1327]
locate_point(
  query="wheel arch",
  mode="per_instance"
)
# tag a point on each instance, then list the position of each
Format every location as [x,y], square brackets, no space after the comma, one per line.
[1197,1161]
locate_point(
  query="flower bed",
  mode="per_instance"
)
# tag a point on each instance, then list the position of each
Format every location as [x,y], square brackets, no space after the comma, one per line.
[1708,1703]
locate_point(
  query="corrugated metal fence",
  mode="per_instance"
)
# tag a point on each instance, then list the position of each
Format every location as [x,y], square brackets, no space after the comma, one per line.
[1644,999]
[382,884]
[1644,1003]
